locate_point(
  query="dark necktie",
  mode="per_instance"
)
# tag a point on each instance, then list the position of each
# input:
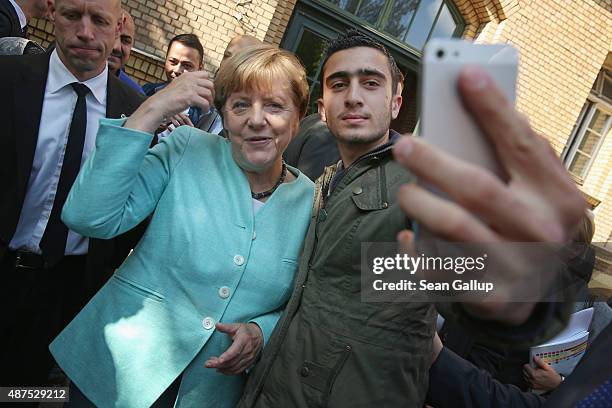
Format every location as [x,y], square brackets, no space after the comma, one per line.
[53,242]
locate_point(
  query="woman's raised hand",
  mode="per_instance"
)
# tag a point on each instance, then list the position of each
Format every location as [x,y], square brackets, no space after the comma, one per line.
[190,89]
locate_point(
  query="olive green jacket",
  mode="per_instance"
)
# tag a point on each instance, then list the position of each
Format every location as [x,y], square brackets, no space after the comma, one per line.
[329,348]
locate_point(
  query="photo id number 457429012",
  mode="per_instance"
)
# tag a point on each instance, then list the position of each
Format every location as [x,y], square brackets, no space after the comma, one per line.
[33,394]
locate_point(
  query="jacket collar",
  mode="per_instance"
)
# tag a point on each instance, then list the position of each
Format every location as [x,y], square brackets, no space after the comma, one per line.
[116,97]
[340,170]
[59,77]
[23,21]
[28,100]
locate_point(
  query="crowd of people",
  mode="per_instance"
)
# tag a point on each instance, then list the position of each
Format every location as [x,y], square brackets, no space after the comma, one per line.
[198,242]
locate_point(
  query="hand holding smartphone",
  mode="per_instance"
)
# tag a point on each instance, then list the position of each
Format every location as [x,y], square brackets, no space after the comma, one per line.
[444,121]
[534,201]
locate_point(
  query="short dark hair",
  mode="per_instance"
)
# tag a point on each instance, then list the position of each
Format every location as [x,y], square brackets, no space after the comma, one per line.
[352,39]
[188,40]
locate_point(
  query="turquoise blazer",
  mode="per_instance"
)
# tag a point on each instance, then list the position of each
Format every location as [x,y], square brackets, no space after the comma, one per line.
[204,258]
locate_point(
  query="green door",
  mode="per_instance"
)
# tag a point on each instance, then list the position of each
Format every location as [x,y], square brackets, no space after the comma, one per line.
[307,38]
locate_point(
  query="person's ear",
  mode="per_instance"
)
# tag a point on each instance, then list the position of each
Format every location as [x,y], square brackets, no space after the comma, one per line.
[121,18]
[321,109]
[51,10]
[396,104]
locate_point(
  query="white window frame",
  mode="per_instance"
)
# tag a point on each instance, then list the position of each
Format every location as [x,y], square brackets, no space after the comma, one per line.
[594,103]
[604,75]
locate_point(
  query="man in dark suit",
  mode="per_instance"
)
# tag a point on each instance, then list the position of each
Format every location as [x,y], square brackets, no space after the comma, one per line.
[15,15]
[185,54]
[50,107]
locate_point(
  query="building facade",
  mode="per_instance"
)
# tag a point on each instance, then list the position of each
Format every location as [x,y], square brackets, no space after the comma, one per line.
[565,75]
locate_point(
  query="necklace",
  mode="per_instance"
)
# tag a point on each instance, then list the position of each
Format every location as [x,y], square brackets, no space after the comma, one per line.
[267,193]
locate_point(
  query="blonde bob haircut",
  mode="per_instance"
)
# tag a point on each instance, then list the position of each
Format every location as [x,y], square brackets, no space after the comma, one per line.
[262,68]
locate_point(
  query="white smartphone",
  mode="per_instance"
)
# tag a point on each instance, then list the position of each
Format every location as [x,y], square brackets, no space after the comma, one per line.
[444,121]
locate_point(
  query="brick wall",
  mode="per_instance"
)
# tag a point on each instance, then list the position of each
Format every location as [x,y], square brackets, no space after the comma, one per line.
[280,21]
[563,45]
[214,22]
[41,31]
[145,68]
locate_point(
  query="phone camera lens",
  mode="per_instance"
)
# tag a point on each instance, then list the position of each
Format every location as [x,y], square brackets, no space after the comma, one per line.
[440,53]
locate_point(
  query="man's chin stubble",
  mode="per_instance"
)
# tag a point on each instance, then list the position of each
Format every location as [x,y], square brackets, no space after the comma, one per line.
[357,139]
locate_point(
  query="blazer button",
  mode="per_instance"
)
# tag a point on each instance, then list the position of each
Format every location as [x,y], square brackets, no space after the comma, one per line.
[239,260]
[224,292]
[254,236]
[322,215]
[208,323]
[305,371]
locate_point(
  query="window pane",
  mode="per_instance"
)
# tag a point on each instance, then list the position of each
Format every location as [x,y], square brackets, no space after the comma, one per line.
[607,87]
[310,51]
[579,165]
[423,21]
[400,17]
[598,121]
[369,10]
[589,142]
[445,26]
[348,5]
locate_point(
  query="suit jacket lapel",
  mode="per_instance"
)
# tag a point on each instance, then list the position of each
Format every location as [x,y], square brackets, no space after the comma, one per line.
[28,100]
[115,97]
[11,13]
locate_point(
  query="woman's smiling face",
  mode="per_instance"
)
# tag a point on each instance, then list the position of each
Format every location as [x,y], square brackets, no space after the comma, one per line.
[260,124]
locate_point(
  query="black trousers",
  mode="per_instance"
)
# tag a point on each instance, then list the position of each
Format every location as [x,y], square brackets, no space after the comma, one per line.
[166,400]
[35,305]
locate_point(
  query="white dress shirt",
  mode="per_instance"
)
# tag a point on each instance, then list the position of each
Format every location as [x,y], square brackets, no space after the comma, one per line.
[257,205]
[58,107]
[23,21]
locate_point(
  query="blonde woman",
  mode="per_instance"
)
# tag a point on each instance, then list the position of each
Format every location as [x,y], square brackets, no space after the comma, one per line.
[190,309]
